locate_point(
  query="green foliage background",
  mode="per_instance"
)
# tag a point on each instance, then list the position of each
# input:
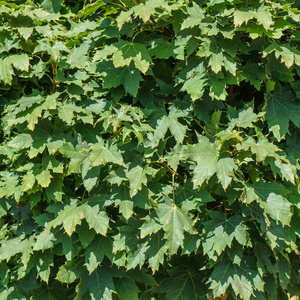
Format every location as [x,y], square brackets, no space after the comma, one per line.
[149,149]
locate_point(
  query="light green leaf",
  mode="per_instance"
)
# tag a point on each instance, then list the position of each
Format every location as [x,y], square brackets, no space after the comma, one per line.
[25,32]
[216,61]
[124,17]
[146,10]
[137,177]
[45,240]
[91,178]
[70,271]
[102,154]
[96,220]
[175,222]
[80,163]
[28,181]
[19,61]
[44,178]
[246,118]
[206,156]
[242,16]
[21,141]
[224,169]
[195,16]
[195,81]
[137,257]
[70,217]
[125,207]
[278,208]
[264,17]
[170,122]
[262,148]
[78,57]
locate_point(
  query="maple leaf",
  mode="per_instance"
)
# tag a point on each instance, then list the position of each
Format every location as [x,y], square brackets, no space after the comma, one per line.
[280,109]
[175,222]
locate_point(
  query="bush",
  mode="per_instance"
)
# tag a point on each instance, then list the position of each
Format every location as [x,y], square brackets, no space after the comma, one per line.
[149,150]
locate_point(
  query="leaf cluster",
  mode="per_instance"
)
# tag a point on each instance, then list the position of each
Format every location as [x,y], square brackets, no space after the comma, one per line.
[149,149]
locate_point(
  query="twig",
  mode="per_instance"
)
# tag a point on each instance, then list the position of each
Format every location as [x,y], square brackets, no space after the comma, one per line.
[171,170]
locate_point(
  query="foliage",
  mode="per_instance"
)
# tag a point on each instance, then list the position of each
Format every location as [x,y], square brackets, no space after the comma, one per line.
[149,150]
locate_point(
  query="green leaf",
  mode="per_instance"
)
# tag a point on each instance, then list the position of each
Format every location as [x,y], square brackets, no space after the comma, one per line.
[70,271]
[95,252]
[281,109]
[264,17]
[99,283]
[43,178]
[221,232]
[246,118]
[16,245]
[216,62]
[45,240]
[28,181]
[254,74]
[137,257]
[52,6]
[54,50]
[224,169]
[183,284]
[126,288]
[242,16]
[278,208]
[6,71]
[70,217]
[195,81]
[195,16]
[78,57]
[146,10]
[206,156]
[244,279]
[137,177]
[132,79]
[293,142]
[21,141]
[175,222]
[126,52]
[170,122]
[262,148]
[162,48]
[96,219]
[80,163]
[19,61]
[86,235]
[91,178]
[102,154]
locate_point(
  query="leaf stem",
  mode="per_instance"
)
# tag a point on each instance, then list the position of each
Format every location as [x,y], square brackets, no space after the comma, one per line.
[83,195]
[54,66]
[173,187]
